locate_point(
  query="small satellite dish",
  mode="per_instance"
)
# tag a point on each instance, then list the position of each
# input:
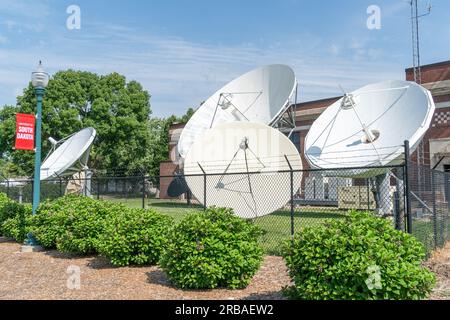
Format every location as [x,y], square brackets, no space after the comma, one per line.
[369,126]
[68,156]
[177,187]
[262,95]
[246,165]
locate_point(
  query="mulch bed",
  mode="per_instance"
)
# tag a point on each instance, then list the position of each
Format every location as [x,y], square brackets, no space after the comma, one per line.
[43,275]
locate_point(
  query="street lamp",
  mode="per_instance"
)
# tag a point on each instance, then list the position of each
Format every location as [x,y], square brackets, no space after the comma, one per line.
[39,80]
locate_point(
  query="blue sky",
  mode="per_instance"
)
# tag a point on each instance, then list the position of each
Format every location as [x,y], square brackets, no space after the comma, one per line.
[183,51]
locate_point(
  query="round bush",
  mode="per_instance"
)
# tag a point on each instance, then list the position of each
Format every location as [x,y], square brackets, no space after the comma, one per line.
[50,222]
[5,210]
[134,236]
[73,223]
[212,249]
[18,224]
[13,218]
[359,257]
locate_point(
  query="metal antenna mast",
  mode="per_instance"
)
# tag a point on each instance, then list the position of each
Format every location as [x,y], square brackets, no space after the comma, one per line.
[417,72]
[415,38]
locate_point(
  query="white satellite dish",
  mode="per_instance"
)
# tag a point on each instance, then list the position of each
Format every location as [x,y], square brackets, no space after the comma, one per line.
[369,126]
[69,155]
[246,168]
[262,95]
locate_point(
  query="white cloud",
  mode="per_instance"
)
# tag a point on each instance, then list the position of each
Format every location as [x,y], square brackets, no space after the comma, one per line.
[3,39]
[180,73]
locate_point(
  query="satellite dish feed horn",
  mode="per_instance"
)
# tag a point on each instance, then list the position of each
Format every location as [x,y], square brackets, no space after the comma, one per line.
[53,141]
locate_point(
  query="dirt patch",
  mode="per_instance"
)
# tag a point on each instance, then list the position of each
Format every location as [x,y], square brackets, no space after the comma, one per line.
[45,275]
[439,263]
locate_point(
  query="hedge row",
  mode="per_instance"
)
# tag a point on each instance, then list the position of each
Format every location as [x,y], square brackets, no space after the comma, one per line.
[82,225]
[223,248]
[359,257]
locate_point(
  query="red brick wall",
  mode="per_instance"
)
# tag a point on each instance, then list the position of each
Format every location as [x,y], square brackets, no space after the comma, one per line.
[431,73]
[166,171]
[316,104]
[443,98]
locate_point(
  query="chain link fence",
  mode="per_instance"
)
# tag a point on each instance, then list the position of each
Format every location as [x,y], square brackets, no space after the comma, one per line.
[430,205]
[311,197]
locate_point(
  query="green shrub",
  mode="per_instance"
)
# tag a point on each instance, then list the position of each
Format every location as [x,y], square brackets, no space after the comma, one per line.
[5,212]
[3,199]
[73,223]
[212,249]
[84,224]
[51,220]
[359,257]
[18,225]
[134,236]
[13,216]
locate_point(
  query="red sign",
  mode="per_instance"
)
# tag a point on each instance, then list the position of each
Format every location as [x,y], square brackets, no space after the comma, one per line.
[25,131]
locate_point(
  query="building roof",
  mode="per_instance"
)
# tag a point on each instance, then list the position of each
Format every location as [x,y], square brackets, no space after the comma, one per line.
[431,66]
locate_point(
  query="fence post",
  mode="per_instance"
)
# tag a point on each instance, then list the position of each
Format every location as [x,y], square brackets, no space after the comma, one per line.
[447,189]
[368,193]
[407,189]
[143,191]
[291,173]
[204,185]
[397,211]
[446,215]
[7,187]
[98,188]
[435,223]
[188,197]
[60,187]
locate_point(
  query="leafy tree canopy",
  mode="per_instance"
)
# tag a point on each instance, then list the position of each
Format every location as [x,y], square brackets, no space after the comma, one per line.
[128,140]
[117,109]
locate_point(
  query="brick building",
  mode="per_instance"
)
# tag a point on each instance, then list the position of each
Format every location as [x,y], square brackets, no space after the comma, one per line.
[435,148]
[436,143]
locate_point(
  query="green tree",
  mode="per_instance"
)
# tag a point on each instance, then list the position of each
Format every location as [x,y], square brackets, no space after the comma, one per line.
[117,109]
[159,131]
[189,113]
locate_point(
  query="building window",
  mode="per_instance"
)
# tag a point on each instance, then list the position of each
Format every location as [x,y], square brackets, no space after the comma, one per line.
[447,168]
[295,138]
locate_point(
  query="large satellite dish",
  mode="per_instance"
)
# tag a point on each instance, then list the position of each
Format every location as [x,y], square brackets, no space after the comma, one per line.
[368,127]
[246,166]
[262,95]
[68,156]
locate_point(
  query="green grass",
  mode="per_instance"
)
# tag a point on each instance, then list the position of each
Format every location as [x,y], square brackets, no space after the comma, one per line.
[423,230]
[277,226]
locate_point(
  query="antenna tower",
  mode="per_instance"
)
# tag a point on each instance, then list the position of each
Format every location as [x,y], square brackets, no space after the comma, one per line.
[416,39]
